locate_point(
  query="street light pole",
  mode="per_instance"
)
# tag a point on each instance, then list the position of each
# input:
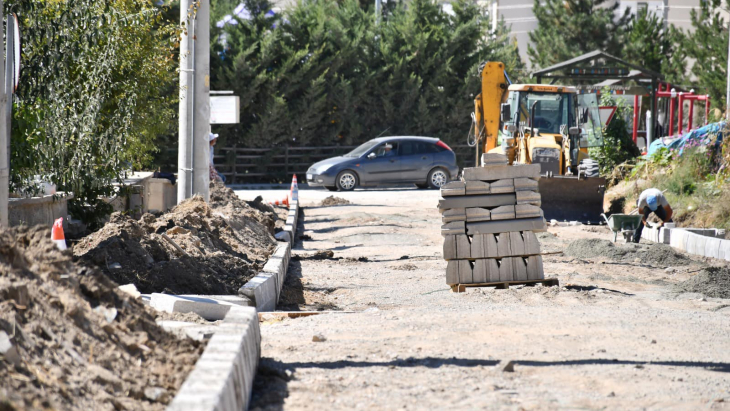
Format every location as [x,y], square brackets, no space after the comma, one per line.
[727,92]
[186,105]
[201,127]
[4,137]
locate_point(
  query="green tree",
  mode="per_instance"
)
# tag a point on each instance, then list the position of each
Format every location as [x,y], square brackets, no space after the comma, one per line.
[569,28]
[647,43]
[707,44]
[94,95]
[326,73]
[618,145]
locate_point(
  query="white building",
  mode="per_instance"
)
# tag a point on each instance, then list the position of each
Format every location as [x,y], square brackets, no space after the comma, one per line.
[518,15]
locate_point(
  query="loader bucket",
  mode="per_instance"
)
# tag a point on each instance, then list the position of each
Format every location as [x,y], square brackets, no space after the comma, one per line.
[568,198]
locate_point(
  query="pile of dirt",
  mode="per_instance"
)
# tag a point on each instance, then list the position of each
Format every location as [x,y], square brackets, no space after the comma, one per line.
[660,255]
[711,281]
[78,342]
[196,248]
[333,201]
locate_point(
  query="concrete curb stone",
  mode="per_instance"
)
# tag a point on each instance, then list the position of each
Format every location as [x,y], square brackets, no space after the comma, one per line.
[222,379]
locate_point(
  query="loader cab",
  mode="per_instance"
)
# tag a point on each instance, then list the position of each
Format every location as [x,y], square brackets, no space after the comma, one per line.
[549,112]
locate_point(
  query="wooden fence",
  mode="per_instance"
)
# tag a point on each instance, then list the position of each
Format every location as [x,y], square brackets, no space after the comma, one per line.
[278,164]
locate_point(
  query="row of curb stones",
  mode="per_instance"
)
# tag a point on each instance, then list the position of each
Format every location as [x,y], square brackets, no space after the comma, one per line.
[222,379]
[702,242]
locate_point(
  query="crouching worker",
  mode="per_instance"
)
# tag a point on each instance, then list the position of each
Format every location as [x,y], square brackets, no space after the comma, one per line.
[653,201]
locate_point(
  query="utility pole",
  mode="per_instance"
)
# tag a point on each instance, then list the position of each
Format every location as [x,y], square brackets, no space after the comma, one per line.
[378,10]
[201,119]
[4,135]
[186,105]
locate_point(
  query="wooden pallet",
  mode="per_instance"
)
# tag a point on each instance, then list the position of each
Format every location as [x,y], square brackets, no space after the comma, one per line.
[503,285]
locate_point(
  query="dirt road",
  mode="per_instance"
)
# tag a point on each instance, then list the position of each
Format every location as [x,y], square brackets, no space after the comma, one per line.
[613,336]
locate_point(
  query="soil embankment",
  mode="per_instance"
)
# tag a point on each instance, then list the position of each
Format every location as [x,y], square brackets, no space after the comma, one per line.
[196,248]
[78,342]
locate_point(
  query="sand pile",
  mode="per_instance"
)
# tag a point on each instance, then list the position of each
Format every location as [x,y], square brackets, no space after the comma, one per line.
[660,255]
[78,343]
[333,201]
[221,246]
[711,281]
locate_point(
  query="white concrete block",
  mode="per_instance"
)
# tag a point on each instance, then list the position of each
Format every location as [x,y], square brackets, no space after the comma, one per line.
[222,379]
[208,308]
[712,247]
[262,290]
[724,250]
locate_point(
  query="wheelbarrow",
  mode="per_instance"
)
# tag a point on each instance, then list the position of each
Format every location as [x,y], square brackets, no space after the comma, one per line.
[626,224]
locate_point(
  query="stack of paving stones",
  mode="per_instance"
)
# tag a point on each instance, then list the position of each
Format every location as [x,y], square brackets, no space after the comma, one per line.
[489,223]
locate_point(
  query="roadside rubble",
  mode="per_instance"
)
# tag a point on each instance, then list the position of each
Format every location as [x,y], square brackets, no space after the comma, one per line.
[333,201]
[713,282]
[196,248]
[71,340]
[655,254]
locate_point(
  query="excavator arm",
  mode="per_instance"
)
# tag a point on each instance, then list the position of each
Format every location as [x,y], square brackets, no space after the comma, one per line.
[487,103]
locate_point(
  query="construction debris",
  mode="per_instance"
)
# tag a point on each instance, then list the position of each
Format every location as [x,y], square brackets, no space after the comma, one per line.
[70,339]
[489,224]
[196,248]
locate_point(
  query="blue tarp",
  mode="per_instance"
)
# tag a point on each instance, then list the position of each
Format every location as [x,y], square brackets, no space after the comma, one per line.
[709,136]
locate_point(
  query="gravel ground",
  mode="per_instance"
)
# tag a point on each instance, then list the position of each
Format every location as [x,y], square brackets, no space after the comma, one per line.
[615,335]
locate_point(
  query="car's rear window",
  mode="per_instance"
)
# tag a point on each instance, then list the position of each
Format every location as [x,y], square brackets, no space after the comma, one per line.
[417,147]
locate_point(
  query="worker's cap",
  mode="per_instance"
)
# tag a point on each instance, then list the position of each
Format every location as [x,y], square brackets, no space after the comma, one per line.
[212,136]
[653,202]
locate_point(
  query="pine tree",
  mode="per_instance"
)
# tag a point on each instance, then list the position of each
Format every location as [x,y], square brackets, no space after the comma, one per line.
[569,28]
[708,46]
[648,44]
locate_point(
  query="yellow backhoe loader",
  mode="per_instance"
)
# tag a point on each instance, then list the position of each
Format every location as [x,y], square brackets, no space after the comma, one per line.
[547,124]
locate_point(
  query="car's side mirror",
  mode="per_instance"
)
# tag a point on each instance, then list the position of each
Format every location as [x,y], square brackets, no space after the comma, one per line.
[372,155]
[506,113]
[574,131]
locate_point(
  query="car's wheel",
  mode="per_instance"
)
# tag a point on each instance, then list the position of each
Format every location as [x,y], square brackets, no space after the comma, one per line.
[437,178]
[422,186]
[346,180]
[331,188]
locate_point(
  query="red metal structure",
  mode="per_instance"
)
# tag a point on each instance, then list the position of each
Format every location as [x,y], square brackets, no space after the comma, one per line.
[677,99]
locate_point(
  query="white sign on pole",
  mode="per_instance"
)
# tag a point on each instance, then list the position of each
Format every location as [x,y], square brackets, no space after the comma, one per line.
[225,110]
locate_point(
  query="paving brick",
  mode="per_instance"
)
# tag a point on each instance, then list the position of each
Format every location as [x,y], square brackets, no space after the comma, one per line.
[527,211]
[484,246]
[463,247]
[519,267]
[494,159]
[476,214]
[478,201]
[516,244]
[503,245]
[528,197]
[480,274]
[452,272]
[454,188]
[465,272]
[492,227]
[477,187]
[453,214]
[534,268]
[532,244]
[505,269]
[525,184]
[453,228]
[492,270]
[499,172]
[503,186]
[450,247]
[502,213]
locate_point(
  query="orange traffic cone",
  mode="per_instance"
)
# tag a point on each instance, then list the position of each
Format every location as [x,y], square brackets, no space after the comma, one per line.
[294,191]
[284,202]
[57,234]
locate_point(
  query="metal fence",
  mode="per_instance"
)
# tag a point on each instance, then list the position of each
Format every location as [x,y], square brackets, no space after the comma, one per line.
[278,164]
